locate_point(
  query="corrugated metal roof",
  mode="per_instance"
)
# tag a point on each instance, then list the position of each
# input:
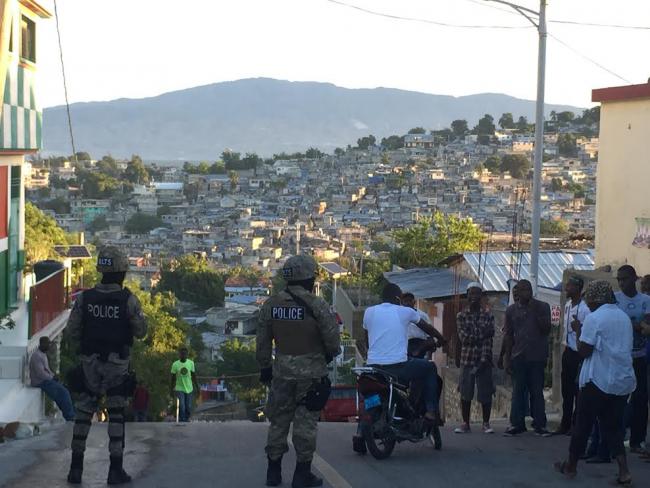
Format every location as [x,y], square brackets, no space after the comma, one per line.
[427,282]
[497,267]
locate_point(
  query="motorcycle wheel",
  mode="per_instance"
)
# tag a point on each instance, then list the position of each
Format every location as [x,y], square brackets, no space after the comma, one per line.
[380,445]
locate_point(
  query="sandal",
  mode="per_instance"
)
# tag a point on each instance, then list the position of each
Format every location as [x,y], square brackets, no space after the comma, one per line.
[560,467]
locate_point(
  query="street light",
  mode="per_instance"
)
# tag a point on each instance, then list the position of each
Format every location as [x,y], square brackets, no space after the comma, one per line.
[540,24]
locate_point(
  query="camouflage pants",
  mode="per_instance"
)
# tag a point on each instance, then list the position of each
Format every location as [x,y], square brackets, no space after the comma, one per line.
[283,409]
[102,378]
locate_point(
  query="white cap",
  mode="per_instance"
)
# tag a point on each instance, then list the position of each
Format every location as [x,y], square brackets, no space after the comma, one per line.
[474,284]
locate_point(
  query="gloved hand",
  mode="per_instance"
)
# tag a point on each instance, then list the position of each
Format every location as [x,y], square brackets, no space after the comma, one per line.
[266,375]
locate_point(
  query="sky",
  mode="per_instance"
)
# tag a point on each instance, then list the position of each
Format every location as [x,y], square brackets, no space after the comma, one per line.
[141,48]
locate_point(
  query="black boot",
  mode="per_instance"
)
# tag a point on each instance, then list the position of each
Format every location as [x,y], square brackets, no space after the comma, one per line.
[116,473]
[274,472]
[76,468]
[303,477]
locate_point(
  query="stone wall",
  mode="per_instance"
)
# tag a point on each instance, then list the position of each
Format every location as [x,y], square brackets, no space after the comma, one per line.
[450,400]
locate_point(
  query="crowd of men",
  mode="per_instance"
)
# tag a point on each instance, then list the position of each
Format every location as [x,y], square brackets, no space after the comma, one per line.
[605,366]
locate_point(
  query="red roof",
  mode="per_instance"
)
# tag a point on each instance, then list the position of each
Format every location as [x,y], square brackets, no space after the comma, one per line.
[618,93]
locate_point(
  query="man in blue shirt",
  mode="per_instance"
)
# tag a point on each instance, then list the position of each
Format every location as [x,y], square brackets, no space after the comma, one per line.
[637,306]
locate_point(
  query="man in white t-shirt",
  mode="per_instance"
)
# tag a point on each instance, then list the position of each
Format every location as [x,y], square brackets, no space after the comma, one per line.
[386,328]
[606,378]
[575,312]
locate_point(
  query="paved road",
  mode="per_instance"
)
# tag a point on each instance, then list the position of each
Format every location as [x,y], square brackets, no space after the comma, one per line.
[230,454]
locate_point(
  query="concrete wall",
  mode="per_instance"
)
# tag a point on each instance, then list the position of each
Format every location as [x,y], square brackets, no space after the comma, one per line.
[623,176]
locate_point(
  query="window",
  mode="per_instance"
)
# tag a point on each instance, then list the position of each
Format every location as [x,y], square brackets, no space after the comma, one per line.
[11,37]
[27,39]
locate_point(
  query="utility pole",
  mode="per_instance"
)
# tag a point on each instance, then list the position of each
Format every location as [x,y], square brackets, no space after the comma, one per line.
[540,24]
[539,147]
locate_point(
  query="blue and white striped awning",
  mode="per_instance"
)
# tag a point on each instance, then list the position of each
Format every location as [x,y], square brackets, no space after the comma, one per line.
[498,267]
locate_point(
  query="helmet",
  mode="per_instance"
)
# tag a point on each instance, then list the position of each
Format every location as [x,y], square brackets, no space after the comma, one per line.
[112,260]
[298,268]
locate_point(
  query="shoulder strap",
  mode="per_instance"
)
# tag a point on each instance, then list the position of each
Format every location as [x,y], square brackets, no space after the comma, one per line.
[301,302]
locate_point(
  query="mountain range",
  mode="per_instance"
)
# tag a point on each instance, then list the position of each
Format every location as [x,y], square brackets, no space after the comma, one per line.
[261,115]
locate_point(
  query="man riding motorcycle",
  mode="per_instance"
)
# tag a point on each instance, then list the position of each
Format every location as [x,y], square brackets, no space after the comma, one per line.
[386,343]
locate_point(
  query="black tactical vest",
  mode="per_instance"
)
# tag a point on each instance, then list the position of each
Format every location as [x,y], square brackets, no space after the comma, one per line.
[106,327]
[295,328]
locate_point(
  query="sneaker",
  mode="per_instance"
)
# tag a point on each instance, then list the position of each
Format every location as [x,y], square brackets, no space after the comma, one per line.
[463,429]
[541,432]
[487,429]
[513,431]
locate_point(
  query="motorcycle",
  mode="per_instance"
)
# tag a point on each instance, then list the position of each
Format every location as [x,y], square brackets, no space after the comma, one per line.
[392,412]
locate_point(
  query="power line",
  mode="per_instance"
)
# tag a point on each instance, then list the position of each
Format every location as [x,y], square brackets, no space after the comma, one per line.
[587,58]
[484,3]
[470,26]
[65,85]
[594,24]
[425,21]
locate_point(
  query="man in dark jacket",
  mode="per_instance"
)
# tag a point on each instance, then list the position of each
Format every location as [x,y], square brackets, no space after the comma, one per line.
[527,326]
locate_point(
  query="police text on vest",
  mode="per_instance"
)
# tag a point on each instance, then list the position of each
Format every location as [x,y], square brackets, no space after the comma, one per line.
[104,311]
[288,313]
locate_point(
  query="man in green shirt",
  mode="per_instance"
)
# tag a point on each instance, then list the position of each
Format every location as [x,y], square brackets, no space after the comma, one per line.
[183,383]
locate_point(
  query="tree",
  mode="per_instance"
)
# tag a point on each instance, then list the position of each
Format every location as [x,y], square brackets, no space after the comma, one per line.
[191,192]
[431,240]
[313,153]
[506,121]
[393,142]
[83,156]
[566,145]
[522,124]
[59,205]
[517,165]
[493,163]
[152,356]
[100,223]
[95,184]
[250,276]
[385,160]
[230,159]
[41,235]
[366,142]
[553,228]
[141,223]
[417,130]
[191,279]
[163,210]
[237,359]
[339,152]
[590,116]
[566,117]
[218,168]
[203,168]
[459,128]
[135,171]
[556,184]
[486,125]
[108,166]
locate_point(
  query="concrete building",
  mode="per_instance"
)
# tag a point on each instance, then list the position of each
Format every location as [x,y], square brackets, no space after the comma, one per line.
[36,308]
[622,203]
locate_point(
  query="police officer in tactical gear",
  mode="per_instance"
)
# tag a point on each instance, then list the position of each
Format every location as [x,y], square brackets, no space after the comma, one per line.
[306,336]
[103,323]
